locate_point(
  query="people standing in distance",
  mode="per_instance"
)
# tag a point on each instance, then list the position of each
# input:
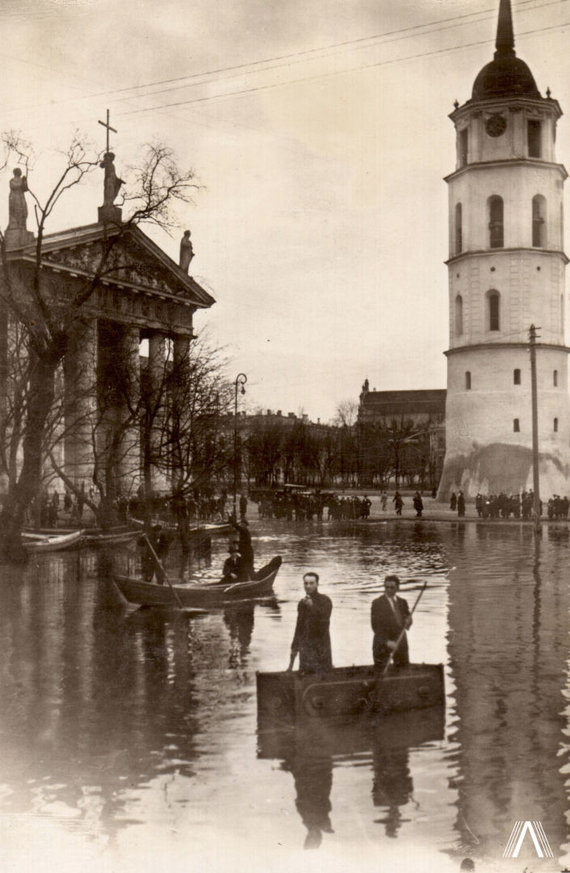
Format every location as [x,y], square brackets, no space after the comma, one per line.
[390,615]
[418,504]
[460,505]
[453,501]
[242,505]
[398,502]
[311,640]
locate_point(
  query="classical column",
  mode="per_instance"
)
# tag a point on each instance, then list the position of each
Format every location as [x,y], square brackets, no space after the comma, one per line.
[80,402]
[157,385]
[129,461]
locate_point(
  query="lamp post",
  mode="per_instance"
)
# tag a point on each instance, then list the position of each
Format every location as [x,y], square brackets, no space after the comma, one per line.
[239,385]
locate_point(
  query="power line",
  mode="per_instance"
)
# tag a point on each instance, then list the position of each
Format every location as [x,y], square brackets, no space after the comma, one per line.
[333,73]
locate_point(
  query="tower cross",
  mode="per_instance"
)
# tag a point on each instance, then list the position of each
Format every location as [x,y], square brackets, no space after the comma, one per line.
[108,128]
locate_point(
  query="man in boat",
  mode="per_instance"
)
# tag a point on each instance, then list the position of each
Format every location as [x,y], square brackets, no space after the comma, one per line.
[390,617]
[245,547]
[233,565]
[312,639]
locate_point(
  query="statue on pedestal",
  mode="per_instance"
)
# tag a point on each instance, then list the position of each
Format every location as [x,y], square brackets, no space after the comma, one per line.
[186,251]
[112,183]
[17,206]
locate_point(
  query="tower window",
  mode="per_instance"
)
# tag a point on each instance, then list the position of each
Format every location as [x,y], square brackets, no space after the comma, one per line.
[493,310]
[496,229]
[463,147]
[555,378]
[458,229]
[467,380]
[459,315]
[534,130]
[555,425]
[517,377]
[516,425]
[538,221]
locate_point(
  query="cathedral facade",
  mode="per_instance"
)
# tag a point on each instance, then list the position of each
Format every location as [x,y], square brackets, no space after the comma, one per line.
[506,273]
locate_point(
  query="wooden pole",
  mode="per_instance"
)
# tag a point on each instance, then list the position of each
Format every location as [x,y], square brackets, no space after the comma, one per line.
[534,397]
[163,571]
[403,631]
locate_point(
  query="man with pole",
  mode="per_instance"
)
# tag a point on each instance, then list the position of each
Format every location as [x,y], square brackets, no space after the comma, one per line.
[391,618]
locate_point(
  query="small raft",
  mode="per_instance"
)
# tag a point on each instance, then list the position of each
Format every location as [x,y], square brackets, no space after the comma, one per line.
[289,696]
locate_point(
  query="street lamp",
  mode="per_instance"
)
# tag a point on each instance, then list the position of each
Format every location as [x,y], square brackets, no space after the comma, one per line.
[239,385]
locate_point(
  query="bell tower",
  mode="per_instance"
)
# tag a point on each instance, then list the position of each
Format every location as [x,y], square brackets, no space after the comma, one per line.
[506,271]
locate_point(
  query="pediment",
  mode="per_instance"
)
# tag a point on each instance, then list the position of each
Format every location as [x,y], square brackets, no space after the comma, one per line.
[133,261]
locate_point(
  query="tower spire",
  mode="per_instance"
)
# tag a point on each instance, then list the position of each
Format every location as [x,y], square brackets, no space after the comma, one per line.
[505,42]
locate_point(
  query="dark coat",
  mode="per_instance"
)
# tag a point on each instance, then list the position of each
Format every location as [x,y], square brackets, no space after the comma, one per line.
[312,639]
[245,548]
[387,626]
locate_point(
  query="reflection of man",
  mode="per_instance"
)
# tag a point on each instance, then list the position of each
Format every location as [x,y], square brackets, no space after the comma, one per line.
[313,782]
[390,616]
[393,786]
[312,639]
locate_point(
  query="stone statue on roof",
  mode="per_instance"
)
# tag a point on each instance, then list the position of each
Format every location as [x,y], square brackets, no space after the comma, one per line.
[186,251]
[17,206]
[112,183]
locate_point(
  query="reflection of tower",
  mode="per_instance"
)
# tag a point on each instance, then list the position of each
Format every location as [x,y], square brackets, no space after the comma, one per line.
[239,619]
[506,272]
[508,625]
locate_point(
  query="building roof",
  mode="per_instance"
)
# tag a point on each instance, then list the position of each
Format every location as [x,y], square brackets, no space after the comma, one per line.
[506,75]
[429,401]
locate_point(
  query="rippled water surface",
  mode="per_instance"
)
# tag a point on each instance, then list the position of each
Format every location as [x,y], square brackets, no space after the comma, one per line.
[129,738]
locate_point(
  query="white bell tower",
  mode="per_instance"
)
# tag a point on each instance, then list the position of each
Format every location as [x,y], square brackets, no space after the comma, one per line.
[506,271]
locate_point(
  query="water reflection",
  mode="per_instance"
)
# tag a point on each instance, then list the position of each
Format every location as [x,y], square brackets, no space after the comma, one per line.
[508,649]
[311,750]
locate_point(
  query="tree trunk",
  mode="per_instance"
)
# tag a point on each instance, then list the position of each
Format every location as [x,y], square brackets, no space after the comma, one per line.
[19,498]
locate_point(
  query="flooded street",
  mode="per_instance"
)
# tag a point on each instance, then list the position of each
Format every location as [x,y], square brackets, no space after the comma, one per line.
[129,738]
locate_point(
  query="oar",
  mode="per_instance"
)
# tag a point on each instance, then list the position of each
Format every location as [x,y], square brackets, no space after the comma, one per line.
[403,631]
[163,571]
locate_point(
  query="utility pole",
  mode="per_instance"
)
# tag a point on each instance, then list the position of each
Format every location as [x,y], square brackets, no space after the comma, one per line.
[534,397]
[239,385]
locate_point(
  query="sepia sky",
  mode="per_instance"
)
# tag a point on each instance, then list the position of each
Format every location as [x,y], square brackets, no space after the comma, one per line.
[319,135]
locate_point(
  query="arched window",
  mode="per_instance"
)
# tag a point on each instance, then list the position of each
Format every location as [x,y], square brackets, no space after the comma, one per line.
[463,147]
[516,425]
[493,310]
[516,377]
[458,228]
[467,380]
[538,221]
[458,315]
[534,131]
[555,378]
[555,423]
[496,231]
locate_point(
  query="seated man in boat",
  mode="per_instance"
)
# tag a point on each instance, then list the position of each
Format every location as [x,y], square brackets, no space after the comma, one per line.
[390,617]
[233,565]
[312,639]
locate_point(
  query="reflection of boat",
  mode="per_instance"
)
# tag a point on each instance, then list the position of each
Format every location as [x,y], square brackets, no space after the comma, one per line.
[198,594]
[288,696]
[52,542]
[351,736]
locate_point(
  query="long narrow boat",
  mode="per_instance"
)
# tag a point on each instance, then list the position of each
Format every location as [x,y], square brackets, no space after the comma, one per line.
[287,697]
[198,595]
[95,536]
[39,542]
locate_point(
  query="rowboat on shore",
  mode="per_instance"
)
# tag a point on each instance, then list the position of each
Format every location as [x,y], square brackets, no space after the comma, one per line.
[289,696]
[54,542]
[198,595]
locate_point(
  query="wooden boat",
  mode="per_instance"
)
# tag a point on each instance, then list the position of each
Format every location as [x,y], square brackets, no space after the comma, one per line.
[95,536]
[56,542]
[198,595]
[287,697]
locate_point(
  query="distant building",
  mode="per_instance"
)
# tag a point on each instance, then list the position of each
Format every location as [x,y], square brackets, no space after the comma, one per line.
[401,435]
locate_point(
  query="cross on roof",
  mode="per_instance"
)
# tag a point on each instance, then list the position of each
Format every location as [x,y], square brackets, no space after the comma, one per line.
[108,127]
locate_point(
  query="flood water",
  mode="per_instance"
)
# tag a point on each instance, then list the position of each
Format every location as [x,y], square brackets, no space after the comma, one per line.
[129,738]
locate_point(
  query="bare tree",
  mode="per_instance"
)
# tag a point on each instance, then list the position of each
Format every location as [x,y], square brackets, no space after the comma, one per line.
[50,318]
